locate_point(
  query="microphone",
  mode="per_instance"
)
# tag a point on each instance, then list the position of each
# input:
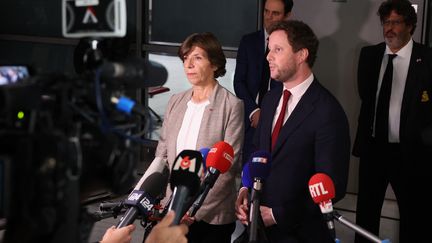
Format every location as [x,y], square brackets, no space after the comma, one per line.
[134,74]
[204,153]
[245,177]
[259,169]
[185,181]
[143,200]
[159,165]
[219,160]
[322,191]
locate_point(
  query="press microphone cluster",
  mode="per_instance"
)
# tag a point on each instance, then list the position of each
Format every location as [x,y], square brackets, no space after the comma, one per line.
[146,193]
[218,161]
[322,191]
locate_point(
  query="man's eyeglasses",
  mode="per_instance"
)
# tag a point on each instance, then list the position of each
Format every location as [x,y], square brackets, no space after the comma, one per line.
[392,23]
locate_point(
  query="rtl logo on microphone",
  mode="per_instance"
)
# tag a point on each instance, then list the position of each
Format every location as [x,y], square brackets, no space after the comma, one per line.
[317,190]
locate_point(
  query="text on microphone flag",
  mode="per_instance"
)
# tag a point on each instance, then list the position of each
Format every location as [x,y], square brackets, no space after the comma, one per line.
[147,204]
[186,163]
[134,196]
[326,206]
[259,160]
[228,157]
[321,187]
[317,189]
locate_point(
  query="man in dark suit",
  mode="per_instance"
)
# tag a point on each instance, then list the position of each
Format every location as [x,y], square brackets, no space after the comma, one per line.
[252,76]
[313,137]
[395,84]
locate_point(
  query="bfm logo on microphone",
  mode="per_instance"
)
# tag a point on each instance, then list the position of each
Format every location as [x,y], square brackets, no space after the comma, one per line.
[186,163]
[259,160]
[317,190]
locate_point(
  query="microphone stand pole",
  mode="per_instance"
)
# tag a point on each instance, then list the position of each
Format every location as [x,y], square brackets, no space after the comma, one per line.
[255,211]
[358,229]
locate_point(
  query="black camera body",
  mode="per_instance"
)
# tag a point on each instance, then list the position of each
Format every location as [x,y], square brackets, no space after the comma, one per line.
[71,145]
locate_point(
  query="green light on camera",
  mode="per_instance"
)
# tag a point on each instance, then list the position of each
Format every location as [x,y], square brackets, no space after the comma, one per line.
[20,115]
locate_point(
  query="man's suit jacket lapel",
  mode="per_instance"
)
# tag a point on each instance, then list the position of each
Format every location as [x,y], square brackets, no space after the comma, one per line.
[374,70]
[302,110]
[266,118]
[413,82]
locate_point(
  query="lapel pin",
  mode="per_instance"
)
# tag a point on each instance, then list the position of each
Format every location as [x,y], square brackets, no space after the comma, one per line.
[425,96]
[418,60]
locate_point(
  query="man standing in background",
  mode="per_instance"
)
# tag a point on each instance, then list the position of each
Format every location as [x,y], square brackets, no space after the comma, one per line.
[252,74]
[395,84]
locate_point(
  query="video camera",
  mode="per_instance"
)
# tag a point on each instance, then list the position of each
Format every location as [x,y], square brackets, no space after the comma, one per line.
[63,136]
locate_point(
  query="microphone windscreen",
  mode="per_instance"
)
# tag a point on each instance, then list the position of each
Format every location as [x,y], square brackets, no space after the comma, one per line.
[321,188]
[247,181]
[187,170]
[204,153]
[220,157]
[155,184]
[157,165]
[259,164]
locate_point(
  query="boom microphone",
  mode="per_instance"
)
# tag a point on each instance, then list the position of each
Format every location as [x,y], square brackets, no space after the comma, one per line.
[322,191]
[134,73]
[259,169]
[185,181]
[143,200]
[219,160]
[358,229]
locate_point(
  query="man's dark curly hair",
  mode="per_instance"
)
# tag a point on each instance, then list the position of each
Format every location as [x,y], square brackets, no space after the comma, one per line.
[401,7]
